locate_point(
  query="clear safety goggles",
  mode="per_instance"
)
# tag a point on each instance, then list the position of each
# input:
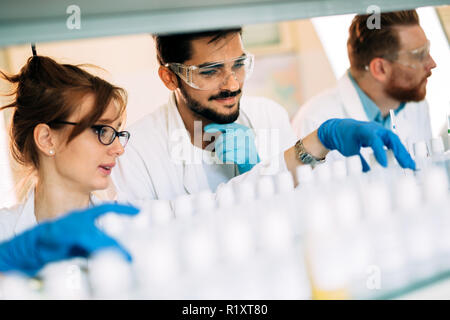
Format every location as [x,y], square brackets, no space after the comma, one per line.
[211,76]
[415,58]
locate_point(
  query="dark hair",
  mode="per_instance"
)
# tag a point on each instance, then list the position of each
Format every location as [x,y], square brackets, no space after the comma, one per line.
[365,44]
[46,92]
[177,47]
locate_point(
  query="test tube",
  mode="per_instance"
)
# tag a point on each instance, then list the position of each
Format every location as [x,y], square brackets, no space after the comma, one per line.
[394,130]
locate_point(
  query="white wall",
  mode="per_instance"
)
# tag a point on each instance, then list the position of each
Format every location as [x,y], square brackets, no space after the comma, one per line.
[130,62]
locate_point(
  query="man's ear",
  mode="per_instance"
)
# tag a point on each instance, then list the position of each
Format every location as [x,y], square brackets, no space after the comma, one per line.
[168,78]
[45,139]
[380,69]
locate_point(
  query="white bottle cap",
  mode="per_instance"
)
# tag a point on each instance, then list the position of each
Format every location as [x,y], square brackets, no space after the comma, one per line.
[322,173]
[265,187]
[285,182]
[375,166]
[304,175]
[225,196]
[200,249]
[437,146]
[420,149]
[161,212]
[276,232]
[65,280]
[436,185]
[347,207]
[15,286]
[354,165]
[205,201]
[237,239]
[112,224]
[407,194]
[158,263]
[319,219]
[377,200]
[245,192]
[183,206]
[109,274]
[392,161]
[339,169]
[143,220]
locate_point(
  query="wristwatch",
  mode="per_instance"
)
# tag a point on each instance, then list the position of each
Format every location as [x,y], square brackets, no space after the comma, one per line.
[306,157]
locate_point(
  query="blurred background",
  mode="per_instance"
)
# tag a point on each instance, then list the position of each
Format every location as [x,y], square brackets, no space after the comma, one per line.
[295,60]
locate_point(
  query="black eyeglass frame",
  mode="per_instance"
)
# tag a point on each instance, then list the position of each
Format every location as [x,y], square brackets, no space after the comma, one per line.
[98,128]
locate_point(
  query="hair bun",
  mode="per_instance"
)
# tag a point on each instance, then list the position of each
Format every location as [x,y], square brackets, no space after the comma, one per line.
[33,49]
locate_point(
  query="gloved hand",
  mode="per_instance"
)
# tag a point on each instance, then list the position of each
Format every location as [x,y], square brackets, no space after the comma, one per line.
[348,136]
[73,235]
[236,144]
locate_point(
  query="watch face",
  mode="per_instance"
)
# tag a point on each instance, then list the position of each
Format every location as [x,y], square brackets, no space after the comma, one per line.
[306,158]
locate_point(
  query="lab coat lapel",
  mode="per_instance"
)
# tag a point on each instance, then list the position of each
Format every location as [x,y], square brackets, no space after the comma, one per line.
[350,100]
[193,175]
[95,200]
[27,218]
[404,127]
[194,178]
[352,106]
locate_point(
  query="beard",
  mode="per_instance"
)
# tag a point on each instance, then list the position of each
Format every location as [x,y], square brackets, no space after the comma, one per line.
[207,112]
[405,94]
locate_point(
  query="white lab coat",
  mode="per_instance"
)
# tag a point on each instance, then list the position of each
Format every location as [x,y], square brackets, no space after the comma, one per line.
[158,160]
[21,217]
[342,101]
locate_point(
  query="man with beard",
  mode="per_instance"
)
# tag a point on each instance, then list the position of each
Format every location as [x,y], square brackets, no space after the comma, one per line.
[388,75]
[209,134]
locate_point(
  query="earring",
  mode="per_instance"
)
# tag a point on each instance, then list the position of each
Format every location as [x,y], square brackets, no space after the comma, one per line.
[52,152]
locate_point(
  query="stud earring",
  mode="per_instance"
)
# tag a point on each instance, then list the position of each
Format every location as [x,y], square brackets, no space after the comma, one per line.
[52,152]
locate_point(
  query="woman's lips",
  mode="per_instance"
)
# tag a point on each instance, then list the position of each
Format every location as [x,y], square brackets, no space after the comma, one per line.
[106,169]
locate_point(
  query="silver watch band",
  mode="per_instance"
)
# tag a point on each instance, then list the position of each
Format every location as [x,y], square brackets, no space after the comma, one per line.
[304,156]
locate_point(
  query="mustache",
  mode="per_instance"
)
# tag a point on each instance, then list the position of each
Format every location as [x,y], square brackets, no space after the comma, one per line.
[225,94]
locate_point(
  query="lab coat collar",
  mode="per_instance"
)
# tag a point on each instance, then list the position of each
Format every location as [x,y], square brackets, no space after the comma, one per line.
[351,101]
[371,109]
[27,218]
[182,152]
[178,136]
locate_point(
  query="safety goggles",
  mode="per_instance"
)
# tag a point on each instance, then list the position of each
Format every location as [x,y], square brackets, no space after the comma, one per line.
[415,58]
[213,75]
[106,134]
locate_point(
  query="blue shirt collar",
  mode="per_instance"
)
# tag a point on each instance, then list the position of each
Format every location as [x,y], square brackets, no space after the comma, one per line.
[370,108]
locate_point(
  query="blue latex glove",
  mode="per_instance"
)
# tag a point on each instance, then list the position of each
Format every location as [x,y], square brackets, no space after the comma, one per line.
[236,145]
[73,235]
[348,136]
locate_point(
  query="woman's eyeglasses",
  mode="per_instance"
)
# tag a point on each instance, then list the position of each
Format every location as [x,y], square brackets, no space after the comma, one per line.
[106,134]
